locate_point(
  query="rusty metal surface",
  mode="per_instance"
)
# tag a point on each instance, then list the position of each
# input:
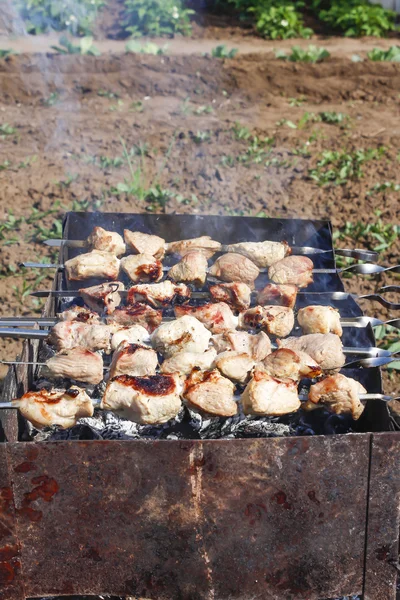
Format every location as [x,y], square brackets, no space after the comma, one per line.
[383,518]
[261,519]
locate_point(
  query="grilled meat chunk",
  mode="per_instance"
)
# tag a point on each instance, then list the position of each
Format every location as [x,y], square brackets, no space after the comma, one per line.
[237,295]
[142,267]
[104,297]
[216,317]
[144,243]
[288,364]
[257,346]
[184,334]
[107,241]
[266,396]
[79,313]
[149,400]
[204,243]
[77,363]
[72,334]
[210,392]
[338,394]
[324,348]
[92,264]
[184,362]
[263,254]
[192,268]
[235,267]
[135,360]
[136,314]
[295,270]
[275,320]
[159,294]
[319,319]
[63,408]
[135,334]
[235,365]
[273,293]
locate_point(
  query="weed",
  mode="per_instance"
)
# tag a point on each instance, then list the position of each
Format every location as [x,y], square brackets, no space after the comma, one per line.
[228,161]
[384,187]
[11,223]
[107,94]
[286,122]
[133,46]
[137,106]
[65,183]
[5,165]
[52,99]
[156,17]
[24,164]
[6,129]
[312,54]
[117,106]
[387,337]
[223,52]
[332,118]
[297,101]
[240,132]
[48,233]
[338,167]
[85,46]
[370,233]
[391,55]
[257,150]
[204,110]
[201,136]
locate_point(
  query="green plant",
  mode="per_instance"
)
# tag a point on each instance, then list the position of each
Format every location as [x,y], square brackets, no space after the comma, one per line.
[150,48]
[107,94]
[6,52]
[11,223]
[204,110]
[387,337]
[312,54]
[391,55]
[278,20]
[337,167]
[5,165]
[384,187]
[223,52]
[75,16]
[357,18]
[386,234]
[156,17]
[52,99]
[85,46]
[6,129]
[332,118]
[297,101]
[201,136]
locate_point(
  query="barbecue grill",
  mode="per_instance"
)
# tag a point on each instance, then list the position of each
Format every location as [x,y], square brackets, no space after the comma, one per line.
[305,515]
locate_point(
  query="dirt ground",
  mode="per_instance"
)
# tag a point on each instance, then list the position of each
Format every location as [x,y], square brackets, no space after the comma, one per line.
[191,121]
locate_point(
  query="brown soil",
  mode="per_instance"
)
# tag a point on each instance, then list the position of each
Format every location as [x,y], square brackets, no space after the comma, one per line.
[153,101]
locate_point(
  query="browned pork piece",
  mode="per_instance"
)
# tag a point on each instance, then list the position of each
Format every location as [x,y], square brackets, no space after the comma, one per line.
[263,254]
[103,298]
[319,319]
[275,320]
[72,334]
[324,348]
[184,362]
[132,359]
[266,396]
[107,241]
[204,243]
[257,346]
[63,408]
[159,294]
[216,317]
[296,270]
[237,295]
[149,400]
[142,267]
[135,334]
[210,392]
[79,313]
[192,268]
[145,243]
[339,394]
[235,267]
[77,363]
[273,293]
[235,365]
[287,364]
[136,314]
[92,264]
[184,334]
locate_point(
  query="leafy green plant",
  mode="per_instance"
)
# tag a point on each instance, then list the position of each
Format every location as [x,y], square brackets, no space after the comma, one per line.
[75,16]
[11,223]
[312,54]
[85,46]
[391,55]
[150,48]
[241,132]
[297,101]
[387,337]
[201,136]
[337,167]
[278,20]
[386,234]
[357,18]
[223,52]
[156,17]
[6,129]
[387,186]
[6,52]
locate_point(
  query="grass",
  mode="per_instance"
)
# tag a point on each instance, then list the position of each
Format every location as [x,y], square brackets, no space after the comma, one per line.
[338,167]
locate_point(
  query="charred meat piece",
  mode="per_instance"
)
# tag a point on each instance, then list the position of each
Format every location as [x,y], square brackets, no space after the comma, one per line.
[144,243]
[210,392]
[204,243]
[79,313]
[257,346]
[184,362]
[237,295]
[275,320]
[159,294]
[132,359]
[63,408]
[263,254]
[235,365]
[288,364]
[216,317]
[295,270]
[325,348]
[77,363]
[72,334]
[235,267]
[150,400]
[273,293]
[92,264]
[136,314]
[192,268]
[107,241]
[267,396]
[135,334]
[338,394]
[184,334]
[142,267]
[319,319]
[103,298]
